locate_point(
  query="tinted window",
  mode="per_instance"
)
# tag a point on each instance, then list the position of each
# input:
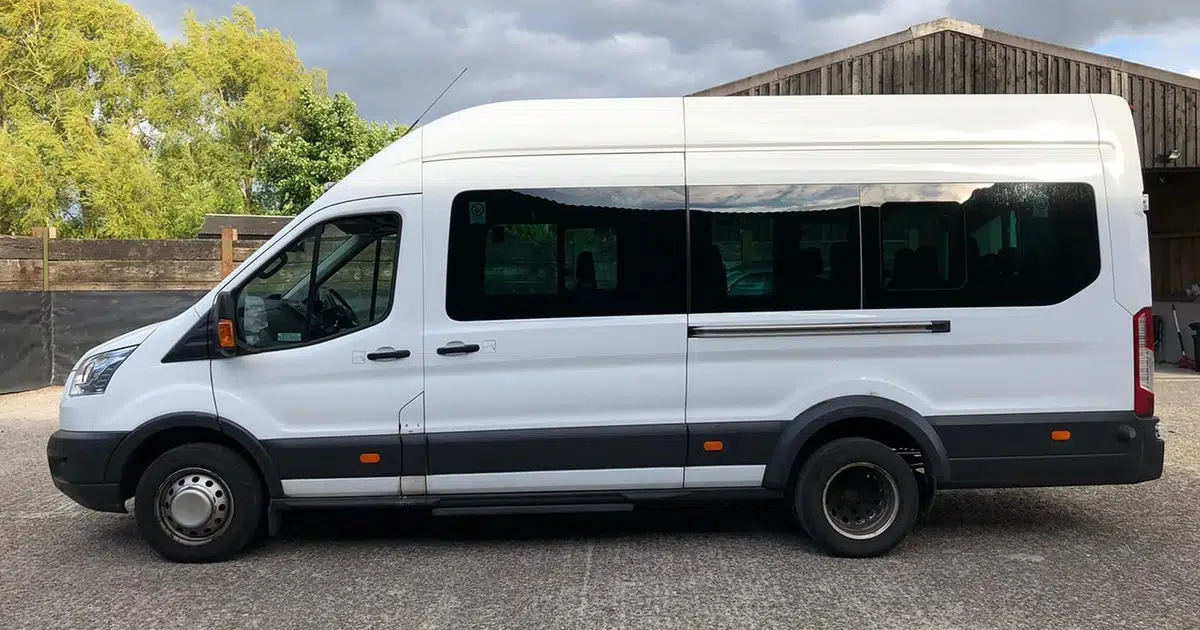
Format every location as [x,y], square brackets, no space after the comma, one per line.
[353,260]
[774,248]
[537,253]
[976,245]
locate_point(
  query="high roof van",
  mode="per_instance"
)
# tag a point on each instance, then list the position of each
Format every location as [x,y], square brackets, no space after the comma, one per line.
[842,303]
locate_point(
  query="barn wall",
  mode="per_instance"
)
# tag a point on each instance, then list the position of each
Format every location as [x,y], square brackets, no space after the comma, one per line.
[950,62]
[1174,232]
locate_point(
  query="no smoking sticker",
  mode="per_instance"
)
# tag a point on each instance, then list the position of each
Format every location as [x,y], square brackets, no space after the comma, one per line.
[478,212]
[1041,206]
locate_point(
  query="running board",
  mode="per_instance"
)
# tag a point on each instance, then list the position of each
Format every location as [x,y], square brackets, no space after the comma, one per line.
[530,503]
[491,510]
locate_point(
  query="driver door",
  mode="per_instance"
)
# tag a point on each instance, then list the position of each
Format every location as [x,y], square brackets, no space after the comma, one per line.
[329,328]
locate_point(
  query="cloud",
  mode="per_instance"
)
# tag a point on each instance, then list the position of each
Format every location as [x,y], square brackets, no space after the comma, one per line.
[394,56]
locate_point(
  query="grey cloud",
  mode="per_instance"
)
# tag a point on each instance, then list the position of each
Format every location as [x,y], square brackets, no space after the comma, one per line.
[394,56]
[1077,22]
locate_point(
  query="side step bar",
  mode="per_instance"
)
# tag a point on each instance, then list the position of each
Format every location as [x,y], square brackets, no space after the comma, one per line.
[533,503]
[491,510]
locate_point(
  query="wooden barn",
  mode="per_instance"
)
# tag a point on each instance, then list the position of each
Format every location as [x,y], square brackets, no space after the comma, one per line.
[954,57]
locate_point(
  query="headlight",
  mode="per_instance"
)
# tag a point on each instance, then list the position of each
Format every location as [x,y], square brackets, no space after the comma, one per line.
[96,371]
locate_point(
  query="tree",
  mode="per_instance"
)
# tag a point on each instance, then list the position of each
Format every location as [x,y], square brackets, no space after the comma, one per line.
[106,131]
[74,78]
[323,144]
[235,84]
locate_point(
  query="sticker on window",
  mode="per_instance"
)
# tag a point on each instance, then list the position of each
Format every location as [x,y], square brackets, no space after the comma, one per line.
[1041,206]
[287,336]
[478,212]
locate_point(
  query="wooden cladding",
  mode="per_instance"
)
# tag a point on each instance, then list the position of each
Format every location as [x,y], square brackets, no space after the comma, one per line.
[1174,222]
[949,62]
[114,265]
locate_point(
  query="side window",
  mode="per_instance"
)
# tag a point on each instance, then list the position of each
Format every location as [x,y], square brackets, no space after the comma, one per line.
[561,252]
[520,259]
[336,278]
[922,246]
[978,245]
[774,248]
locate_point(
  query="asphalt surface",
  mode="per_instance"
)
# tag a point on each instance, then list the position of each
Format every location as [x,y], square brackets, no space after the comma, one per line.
[1112,557]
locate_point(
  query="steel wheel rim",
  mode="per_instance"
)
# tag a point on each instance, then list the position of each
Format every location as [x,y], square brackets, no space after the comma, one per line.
[193,506]
[860,500]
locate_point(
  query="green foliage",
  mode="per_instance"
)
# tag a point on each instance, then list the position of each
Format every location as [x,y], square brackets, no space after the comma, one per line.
[323,144]
[238,85]
[107,131]
[73,76]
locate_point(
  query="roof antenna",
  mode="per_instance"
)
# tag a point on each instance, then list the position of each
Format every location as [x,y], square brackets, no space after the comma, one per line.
[439,97]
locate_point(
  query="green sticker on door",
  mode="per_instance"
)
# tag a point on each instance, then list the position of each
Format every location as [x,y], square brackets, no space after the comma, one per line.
[287,336]
[478,212]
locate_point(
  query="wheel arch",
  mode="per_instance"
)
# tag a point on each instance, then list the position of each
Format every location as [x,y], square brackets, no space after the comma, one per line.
[152,438]
[798,435]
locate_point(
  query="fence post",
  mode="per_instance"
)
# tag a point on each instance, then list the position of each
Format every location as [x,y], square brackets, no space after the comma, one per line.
[46,233]
[228,238]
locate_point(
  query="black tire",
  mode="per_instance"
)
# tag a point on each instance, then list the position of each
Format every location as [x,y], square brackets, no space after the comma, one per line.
[242,495]
[873,463]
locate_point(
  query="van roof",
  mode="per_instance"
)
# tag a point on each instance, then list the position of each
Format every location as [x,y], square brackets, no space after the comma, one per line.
[558,126]
[646,125]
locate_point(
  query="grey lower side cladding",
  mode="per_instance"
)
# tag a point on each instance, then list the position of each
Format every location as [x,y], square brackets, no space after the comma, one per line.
[44,334]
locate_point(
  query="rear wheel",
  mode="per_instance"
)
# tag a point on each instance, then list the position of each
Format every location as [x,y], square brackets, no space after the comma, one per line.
[199,503]
[856,497]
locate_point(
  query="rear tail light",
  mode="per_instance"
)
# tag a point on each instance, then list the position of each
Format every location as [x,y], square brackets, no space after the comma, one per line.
[1143,363]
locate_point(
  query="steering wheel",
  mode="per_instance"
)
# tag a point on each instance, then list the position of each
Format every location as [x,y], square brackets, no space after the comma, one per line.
[347,314]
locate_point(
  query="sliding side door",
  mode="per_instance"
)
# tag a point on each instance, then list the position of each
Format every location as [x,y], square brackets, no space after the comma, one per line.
[555,325]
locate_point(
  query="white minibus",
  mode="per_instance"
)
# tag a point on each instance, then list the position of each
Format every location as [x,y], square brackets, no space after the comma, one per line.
[843,303]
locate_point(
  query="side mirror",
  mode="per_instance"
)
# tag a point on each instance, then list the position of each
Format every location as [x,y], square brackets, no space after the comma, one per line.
[224,321]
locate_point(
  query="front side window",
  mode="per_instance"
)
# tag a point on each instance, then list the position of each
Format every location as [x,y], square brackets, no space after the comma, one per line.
[336,278]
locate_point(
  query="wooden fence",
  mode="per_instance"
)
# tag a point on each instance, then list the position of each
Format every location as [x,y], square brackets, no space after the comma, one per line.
[46,263]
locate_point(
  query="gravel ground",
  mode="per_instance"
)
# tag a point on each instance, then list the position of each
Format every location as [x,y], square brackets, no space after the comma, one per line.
[1112,557]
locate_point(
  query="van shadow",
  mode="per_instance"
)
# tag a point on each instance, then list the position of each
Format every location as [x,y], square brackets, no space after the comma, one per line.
[386,523]
[953,514]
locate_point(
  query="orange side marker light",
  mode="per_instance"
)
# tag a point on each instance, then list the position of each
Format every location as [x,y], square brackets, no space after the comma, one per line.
[713,446]
[225,334]
[369,458]
[1060,436]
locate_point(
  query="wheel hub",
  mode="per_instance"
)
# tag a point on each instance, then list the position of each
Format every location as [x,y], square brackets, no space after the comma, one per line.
[194,506]
[861,500]
[191,508]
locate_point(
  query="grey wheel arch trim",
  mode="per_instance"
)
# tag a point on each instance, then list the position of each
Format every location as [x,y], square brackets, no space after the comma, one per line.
[128,446]
[797,433]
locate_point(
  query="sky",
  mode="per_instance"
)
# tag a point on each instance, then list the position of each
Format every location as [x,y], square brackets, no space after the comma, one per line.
[393,57]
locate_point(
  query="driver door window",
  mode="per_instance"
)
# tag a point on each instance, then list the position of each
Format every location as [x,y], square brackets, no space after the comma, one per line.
[337,278]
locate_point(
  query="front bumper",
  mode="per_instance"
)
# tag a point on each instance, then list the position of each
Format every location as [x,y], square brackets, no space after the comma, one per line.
[78,461]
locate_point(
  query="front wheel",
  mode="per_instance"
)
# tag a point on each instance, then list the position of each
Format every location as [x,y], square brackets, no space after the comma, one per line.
[856,498]
[199,503]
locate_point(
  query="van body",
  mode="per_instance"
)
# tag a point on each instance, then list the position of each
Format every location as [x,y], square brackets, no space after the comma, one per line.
[846,303]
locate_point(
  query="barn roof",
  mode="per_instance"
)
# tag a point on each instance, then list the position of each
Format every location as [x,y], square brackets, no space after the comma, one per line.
[957,26]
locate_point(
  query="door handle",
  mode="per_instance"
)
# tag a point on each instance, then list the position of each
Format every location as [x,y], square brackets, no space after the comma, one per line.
[380,355]
[458,348]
